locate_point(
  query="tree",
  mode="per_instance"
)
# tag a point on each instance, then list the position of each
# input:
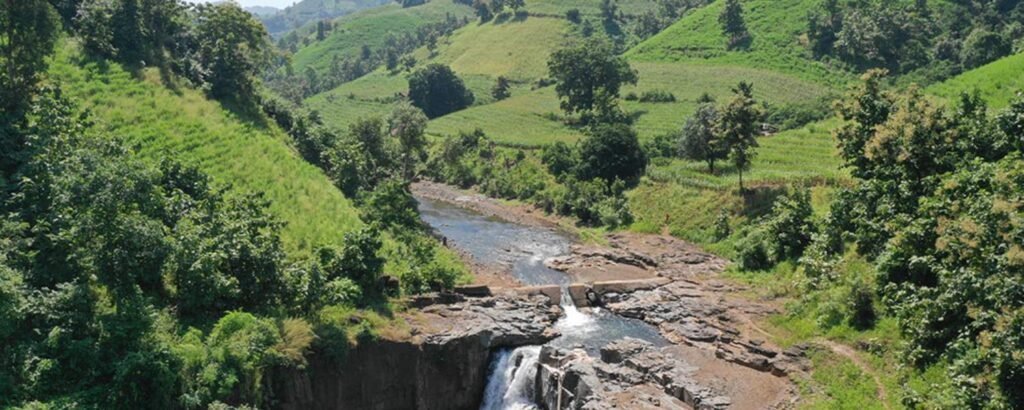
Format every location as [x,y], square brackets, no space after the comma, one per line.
[983,46]
[407,124]
[437,91]
[483,11]
[611,152]
[501,89]
[586,71]
[232,49]
[733,25]
[737,128]
[515,5]
[28,31]
[697,141]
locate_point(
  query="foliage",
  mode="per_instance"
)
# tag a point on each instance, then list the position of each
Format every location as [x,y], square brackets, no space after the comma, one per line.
[232,48]
[611,152]
[736,128]
[586,73]
[733,25]
[559,158]
[790,226]
[501,89]
[698,141]
[391,205]
[437,91]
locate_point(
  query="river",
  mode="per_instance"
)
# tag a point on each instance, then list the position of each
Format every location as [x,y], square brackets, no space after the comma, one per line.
[522,250]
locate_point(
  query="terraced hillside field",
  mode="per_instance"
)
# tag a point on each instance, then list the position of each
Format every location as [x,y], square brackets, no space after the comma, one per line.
[247,153]
[372,27]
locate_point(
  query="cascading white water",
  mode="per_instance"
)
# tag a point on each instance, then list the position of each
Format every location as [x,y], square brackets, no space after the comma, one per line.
[574,320]
[511,382]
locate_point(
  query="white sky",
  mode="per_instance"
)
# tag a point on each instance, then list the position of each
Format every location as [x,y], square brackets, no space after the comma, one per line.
[246,3]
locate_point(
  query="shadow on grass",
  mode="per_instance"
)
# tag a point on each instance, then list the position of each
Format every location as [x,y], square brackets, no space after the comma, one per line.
[758,200]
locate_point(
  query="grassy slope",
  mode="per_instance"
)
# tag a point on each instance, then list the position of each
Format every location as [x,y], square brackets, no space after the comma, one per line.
[478,53]
[998,82]
[775,25]
[372,27]
[687,59]
[186,126]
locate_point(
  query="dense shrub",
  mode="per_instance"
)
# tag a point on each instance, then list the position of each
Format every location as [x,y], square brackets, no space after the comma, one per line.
[753,251]
[657,96]
[789,227]
[559,158]
[437,91]
[611,152]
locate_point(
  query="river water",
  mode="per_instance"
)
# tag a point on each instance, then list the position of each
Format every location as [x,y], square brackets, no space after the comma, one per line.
[523,250]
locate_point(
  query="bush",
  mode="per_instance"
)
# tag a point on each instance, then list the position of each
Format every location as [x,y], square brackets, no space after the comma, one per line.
[437,91]
[391,205]
[573,15]
[657,96]
[752,252]
[789,226]
[611,152]
[861,306]
[661,146]
[722,229]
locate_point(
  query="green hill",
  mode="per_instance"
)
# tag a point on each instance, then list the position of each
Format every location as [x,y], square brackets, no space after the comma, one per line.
[309,11]
[182,124]
[371,28]
[998,82]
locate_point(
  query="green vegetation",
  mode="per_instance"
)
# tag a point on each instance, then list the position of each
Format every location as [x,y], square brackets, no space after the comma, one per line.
[305,12]
[998,82]
[373,28]
[183,124]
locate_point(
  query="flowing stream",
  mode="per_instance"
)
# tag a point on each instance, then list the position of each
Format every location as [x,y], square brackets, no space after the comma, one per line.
[523,249]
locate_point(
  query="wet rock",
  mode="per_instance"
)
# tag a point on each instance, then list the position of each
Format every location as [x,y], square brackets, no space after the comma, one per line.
[630,374]
[617,351]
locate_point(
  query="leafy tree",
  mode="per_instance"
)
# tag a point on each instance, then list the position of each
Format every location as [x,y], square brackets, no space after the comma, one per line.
[611,152]
[790,226]
[698,141]
[391,205]
[983,46]
[586,71]
[232,49]
[407,124]
[515,5]
[559,158]
[733,24]
[501,89]
[483,11]
[737,128]
[437,91]
[609,11]
[28,30]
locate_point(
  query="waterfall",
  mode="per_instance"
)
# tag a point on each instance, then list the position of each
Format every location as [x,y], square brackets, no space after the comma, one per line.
[512,378]
[575,321]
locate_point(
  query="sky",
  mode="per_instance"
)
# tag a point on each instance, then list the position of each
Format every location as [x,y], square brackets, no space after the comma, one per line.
[272,3]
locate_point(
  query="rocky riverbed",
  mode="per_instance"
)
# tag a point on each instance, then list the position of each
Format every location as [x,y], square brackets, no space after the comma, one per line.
[702,348]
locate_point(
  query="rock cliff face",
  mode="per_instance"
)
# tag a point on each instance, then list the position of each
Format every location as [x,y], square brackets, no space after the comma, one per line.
[444,366]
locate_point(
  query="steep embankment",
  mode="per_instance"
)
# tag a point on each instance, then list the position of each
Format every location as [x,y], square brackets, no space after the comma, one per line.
[247,153]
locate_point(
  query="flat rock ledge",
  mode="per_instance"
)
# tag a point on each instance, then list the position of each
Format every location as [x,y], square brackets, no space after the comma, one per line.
[688,314]
[630,374]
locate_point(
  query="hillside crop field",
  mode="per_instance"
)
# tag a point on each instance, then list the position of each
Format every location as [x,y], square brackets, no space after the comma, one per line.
[248,154]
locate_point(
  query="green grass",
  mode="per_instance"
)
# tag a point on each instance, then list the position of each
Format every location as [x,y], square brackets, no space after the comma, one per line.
[998,82]
[518,50]
[587,7]
[777,27]
[183,124]
[372,27]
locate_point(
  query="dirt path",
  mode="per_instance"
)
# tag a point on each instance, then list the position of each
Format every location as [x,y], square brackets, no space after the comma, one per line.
[849,353]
